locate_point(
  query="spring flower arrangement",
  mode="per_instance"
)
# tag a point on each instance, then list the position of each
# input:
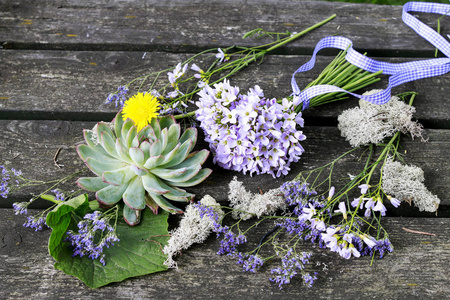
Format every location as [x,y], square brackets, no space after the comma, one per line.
[143,160]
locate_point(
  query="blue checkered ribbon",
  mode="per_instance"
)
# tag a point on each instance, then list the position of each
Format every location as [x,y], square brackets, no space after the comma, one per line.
[400,72]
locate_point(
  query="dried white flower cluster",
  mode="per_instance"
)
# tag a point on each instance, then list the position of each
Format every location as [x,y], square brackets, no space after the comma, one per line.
[406,183]
[371,123]
[247,204]
[192,229]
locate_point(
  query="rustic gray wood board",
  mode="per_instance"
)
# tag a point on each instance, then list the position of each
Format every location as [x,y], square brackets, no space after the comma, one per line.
[417,269]
[73,85]
[178,25]
[35,143]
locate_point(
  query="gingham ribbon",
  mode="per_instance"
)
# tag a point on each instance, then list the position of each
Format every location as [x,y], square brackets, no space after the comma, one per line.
[400,72]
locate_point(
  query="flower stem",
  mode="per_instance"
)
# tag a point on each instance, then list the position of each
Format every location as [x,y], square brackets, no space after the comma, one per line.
[295,36]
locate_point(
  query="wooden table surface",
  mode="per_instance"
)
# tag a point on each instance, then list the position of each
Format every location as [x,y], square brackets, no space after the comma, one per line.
[60,59]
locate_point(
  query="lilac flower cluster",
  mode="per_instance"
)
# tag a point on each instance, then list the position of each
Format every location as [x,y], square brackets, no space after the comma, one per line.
[8,175]
[119,97]
[83,241]
[248,132]
[292,263]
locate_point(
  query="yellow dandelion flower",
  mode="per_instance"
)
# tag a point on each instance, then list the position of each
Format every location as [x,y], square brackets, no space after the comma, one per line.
[141,108]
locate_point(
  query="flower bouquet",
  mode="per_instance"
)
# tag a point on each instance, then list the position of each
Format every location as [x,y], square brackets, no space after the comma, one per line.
[144,160]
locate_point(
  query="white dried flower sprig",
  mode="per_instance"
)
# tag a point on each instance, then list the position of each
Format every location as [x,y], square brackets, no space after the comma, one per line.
[246,204]
[371,123]
[406,183]
[193,229]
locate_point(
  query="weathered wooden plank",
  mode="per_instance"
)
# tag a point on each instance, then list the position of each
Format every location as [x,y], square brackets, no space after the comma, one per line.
[417,269]
[74,85]
[30,146]
[178,25]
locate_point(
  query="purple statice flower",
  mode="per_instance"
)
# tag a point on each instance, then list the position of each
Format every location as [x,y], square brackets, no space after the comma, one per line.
[59,195]
[247,132]
[230,240]
[94,224]
[36,222]
[250,262]
[119,97]
[4,185]
[10,180]
[20,208]
[229,243]
[291,264]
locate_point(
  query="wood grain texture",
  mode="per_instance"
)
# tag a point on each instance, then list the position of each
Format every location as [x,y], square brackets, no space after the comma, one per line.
[61,58]
[177,25]
[34,143]
[417,269]
[73,85]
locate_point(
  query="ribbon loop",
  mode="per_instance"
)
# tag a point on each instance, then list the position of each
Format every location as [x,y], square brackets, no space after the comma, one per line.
[401,72]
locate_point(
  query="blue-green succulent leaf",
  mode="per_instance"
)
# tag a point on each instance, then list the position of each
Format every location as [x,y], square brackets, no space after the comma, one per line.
[189,134]
[137,155]
[99,167]
[164,204]
[111,194]
[131,216]
[134,196]
[202,175]
[173,136]
[118,176]
[180,156]
[91,184]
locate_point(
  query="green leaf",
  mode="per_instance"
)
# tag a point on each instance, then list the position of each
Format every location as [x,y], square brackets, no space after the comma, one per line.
[59,219]
[139,252]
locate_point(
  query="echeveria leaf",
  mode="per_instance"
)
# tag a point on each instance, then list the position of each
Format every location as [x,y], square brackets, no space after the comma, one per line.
[118,176]
[167,121]
[195,158]
[180,155]
[164,204]
[111,194]
[131,216]
[189,134]
[91,184]
[202,175]
[118,124]
[173,136]
[137,155]
[134,196]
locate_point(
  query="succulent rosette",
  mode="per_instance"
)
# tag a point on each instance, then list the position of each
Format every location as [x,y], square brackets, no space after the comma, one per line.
[144,168]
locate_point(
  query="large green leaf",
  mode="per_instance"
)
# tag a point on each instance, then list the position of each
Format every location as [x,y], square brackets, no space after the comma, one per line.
[139,252]
[59,219]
